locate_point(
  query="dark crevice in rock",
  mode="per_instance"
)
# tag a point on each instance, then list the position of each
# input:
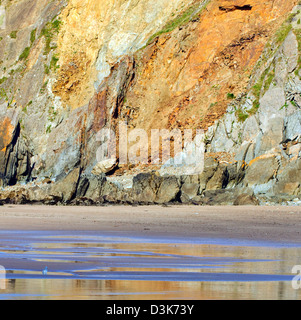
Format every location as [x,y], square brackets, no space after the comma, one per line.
[10,172]
[246,7]
[17,167]
[126,71]
[78,185]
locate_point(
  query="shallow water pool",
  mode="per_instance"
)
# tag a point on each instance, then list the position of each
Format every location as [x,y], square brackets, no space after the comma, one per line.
[117,265]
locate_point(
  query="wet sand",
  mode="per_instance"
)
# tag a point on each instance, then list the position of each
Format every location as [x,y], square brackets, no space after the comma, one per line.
[149,252]
[106,265]
[278,224]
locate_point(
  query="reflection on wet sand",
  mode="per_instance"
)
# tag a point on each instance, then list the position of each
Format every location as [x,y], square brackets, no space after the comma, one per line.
[107,266]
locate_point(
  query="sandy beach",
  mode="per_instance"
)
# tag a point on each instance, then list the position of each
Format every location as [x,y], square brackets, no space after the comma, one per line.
[149,252]
[280,224]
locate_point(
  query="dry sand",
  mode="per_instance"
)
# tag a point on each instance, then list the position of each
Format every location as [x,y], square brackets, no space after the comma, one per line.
[281,224]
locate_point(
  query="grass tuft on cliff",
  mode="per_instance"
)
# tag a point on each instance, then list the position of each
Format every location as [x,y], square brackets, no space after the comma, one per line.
[49,31]
[192,12]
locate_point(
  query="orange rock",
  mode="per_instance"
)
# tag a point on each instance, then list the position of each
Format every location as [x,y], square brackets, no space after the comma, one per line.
[6,133]
[197,65]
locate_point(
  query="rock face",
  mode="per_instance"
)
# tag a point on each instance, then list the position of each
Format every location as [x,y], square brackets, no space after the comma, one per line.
[289,179]
[152,188]
[104,166]
[70,69]
[195,70]
[261,170]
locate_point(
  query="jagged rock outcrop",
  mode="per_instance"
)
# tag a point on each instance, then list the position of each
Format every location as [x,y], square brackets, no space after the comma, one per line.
[265,124]
[147,188]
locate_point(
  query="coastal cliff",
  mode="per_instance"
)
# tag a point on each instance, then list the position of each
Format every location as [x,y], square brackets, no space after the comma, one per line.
[229,67]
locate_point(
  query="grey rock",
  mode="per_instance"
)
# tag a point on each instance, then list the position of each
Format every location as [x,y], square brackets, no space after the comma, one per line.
[189,191]
[289,179]
[235,173]
[219,197]
[291,52]
[250,129]
[145,187]
[292,126]
[111,193]
[168,190]
[245,199]
[90,186]
[242,152]
[271,106]
[66,188]
[38,193]
[261,170]
[152,188]
[219,180]
[271,138]
[221,141]
[210,168]
[250,155]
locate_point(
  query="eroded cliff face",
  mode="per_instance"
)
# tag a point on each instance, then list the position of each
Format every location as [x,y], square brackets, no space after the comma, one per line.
[187,77]
[96,34]
[54,56]
[71,68]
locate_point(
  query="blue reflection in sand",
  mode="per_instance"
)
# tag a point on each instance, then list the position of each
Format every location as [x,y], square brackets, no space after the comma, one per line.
[68,256]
